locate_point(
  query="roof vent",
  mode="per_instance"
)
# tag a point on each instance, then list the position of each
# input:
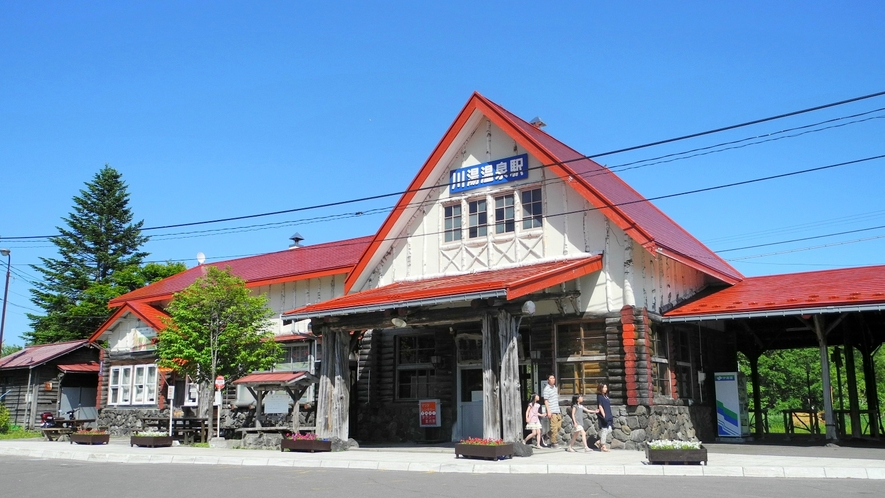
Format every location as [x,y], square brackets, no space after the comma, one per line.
[537,123]
[296,241]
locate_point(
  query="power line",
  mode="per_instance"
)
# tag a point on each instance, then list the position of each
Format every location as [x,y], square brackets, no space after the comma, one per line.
[580,158]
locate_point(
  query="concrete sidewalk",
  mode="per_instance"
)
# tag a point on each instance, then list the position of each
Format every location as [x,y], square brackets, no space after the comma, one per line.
[724,460]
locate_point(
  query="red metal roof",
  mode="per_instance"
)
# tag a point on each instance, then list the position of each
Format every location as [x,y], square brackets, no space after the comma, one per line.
[271,378]
[33,356]
[91,367]
[283,266]
[147,313]
[294,337]
[515,282]
[842,287]
[602,188]
[626,207]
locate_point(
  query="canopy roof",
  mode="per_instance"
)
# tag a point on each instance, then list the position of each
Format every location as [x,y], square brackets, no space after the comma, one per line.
[846,289]
[509,283]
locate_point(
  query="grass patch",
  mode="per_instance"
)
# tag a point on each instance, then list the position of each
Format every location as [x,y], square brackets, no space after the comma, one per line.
[20,434]
[199,445]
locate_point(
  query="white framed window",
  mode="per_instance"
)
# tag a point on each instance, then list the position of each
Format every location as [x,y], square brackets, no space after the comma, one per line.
[504,214]
[133,385]
[452,222]
[296,357]
[477,218]
[532,209]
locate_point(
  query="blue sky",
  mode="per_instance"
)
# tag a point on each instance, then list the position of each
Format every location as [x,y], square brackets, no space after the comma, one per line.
[221,109]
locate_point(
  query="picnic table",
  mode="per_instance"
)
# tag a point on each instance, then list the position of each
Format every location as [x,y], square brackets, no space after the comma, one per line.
[183,428]
[65,427]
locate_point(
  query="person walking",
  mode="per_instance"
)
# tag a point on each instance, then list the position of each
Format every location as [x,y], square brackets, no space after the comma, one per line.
[605,417]
[551,402]
[532,421]
[577,415]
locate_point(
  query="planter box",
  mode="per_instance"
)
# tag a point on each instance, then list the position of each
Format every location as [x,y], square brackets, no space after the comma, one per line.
[150,441]
[677,457]
[90,438]
[310,445]
[486,452]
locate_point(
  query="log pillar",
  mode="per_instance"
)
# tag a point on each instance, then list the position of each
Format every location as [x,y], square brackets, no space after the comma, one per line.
[491,422]
[333,403]
[511,405]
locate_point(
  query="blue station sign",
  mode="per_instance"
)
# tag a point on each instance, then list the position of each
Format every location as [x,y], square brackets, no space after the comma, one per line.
[504,170]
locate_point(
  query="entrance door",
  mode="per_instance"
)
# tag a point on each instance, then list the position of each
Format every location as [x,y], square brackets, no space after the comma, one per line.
[469,402]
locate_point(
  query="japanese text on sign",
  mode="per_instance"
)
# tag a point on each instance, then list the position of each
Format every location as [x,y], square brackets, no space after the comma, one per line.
[428,410]
[499,171]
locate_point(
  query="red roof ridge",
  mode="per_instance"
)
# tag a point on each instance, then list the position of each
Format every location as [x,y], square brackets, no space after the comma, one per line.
[256,274]
[628,209]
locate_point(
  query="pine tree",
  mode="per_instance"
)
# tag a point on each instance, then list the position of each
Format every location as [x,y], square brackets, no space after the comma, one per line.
[99,242]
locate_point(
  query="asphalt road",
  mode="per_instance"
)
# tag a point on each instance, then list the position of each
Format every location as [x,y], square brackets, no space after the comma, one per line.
[25,478]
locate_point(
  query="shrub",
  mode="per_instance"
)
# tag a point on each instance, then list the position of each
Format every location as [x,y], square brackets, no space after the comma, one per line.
[4,419]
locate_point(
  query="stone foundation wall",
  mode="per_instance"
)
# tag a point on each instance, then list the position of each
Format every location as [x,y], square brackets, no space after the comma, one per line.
[633,426]
[125,421]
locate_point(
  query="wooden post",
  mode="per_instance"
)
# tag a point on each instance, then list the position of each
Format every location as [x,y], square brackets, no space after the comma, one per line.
[757,396]
[829,417]
[491,423]
[511,405]
[333,404]
[851,381]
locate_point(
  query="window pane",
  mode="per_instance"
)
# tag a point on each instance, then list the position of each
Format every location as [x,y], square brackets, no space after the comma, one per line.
[580,339]
[532,209]
[504,214]
[115,376]
[452,218]
[477,220]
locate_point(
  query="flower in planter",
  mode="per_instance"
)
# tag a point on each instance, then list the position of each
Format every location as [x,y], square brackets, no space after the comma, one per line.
[151,434]
[91,432]
[667,444]
[477,441]
[310,436]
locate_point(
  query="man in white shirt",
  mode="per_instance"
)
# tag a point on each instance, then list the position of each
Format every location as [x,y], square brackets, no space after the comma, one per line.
[551,401]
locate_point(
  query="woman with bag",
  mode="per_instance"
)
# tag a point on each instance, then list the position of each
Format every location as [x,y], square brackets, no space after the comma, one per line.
[604,415]
[532,422]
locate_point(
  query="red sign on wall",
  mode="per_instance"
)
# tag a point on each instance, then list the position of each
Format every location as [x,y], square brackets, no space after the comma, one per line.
[428,411]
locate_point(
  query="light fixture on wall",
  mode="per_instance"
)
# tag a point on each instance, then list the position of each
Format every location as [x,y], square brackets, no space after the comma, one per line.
[535,355]
[436,361]
[399,322]
[528,307]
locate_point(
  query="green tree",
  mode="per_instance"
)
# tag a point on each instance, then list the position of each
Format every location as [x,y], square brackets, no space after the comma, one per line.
[216,327]
[9,349]
[99,259]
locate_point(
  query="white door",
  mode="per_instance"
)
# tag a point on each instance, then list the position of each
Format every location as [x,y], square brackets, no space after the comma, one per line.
[469,403]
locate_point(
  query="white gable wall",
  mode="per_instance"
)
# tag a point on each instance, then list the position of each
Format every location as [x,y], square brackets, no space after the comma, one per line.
[571,228]
[290,295]
[130,334]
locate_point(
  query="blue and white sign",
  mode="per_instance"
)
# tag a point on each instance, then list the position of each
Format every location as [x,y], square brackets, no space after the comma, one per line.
[504,170]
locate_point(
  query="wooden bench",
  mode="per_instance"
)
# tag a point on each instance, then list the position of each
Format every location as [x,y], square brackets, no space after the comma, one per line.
[56,433]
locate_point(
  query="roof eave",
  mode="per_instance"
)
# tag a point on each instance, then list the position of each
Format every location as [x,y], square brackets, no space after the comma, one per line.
[817,310]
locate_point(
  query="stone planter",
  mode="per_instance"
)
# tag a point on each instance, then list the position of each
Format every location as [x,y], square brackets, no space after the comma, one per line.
[90,438]
[150,441]
[677,457]
[482,451]
[310,445]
